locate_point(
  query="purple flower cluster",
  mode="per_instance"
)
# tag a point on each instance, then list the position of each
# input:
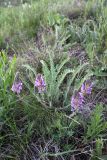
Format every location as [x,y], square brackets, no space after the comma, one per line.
[78,98]
[86,88]
[76,102]
[40,83]
[17,87]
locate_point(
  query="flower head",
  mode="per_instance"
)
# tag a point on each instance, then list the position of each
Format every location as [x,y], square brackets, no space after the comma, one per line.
[86,88]
[76,102]
[17,87]
[40,83]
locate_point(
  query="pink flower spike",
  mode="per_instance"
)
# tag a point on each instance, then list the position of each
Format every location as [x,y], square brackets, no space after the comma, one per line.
[86,87]
[17,87]
[76,102]
[40,83]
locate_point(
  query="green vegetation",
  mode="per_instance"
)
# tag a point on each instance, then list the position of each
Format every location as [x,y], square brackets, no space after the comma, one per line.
[53,80]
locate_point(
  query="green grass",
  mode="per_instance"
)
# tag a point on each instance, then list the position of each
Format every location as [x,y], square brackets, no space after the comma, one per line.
[66,42]
[21,22]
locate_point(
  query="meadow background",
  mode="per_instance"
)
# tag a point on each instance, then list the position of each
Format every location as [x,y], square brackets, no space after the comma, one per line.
[53,80]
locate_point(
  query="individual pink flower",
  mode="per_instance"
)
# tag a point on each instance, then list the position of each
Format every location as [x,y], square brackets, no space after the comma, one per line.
[17,87]
[40,83]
